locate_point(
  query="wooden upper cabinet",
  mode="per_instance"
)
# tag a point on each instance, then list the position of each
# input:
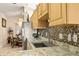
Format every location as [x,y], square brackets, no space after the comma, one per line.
[36,23]
[63,14]
[34,20]
[73,13]
[57,14]
[42,24]
[39,9]
[43,11]
[55,11]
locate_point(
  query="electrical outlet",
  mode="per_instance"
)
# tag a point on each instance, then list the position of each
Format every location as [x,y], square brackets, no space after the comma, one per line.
[46,34]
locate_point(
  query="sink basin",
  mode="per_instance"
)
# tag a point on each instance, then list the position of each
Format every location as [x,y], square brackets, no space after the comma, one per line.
[38,45]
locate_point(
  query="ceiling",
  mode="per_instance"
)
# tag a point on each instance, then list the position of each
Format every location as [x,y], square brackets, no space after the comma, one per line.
[16,9]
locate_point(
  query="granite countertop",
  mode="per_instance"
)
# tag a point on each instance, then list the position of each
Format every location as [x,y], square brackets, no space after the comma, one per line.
[47,51]
[40,39]
[44,51]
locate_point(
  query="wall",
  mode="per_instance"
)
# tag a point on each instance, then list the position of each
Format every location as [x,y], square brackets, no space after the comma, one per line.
[3,31]
[12,23]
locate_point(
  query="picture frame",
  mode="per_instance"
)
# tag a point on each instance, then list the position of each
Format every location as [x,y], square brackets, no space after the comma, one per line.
[3,22]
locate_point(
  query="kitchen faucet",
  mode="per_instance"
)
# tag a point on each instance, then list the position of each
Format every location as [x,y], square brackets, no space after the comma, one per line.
[47,35]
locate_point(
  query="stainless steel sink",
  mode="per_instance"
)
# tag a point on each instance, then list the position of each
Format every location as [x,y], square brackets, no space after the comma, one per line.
[38,45]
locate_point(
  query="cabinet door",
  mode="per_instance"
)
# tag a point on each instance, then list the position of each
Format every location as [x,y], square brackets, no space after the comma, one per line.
[44,8]
[33,25]
[73,13]
[39,11]
[42,11]
[32,20]
[35,19]
[57,14]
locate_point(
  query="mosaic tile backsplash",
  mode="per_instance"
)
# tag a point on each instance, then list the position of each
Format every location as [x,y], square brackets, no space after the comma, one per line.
[64,33]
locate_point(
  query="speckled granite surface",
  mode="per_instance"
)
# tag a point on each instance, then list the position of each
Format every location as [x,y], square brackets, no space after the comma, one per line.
[61,49]
[47,51]
[50,51]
